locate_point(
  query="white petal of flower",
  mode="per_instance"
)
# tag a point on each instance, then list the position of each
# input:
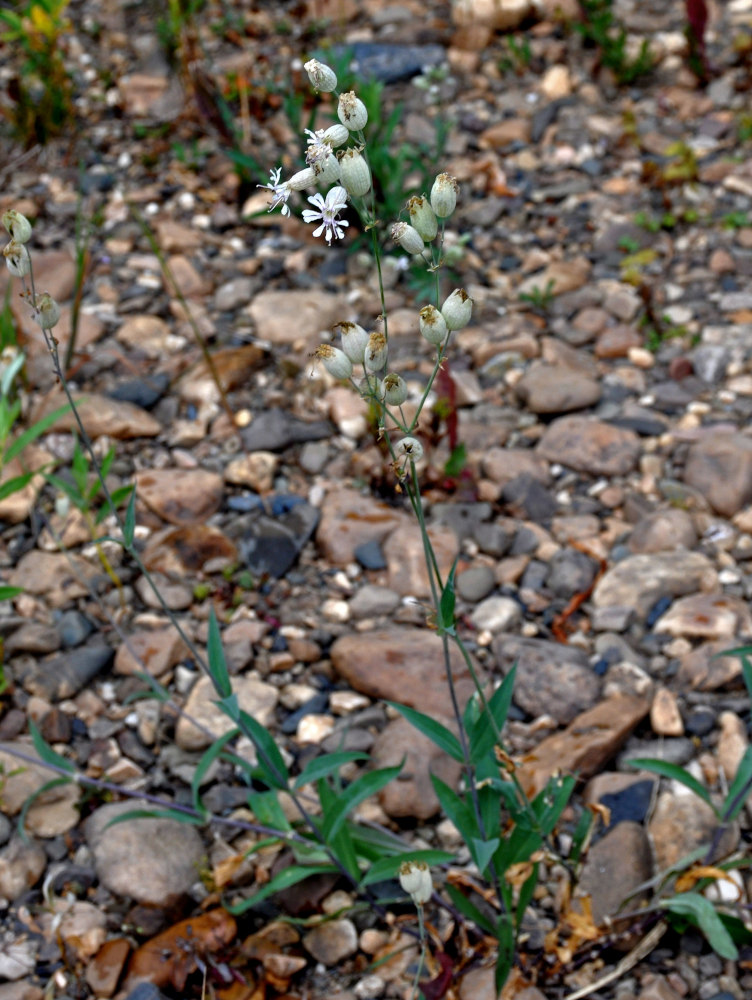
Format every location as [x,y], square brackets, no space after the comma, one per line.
[280,192]
[327,211]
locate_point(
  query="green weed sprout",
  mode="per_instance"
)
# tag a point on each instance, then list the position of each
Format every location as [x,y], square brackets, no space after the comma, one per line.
[43,92]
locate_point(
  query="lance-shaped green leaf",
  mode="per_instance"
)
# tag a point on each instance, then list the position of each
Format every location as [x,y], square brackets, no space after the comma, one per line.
[47,754]
[445,617]
[129,525]
[217,663]
[355,793]
[8,593]
[32,433]
[435,731]
[740,788]
[701,912]
[283,880]
[676,773]
[326,764]
[212,753]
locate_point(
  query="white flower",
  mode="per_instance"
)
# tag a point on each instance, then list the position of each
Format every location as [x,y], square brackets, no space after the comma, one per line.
[444,195]
[356,177]
[17,258]
[322,77]
[393,389]
[17,225]
[336,135]
[334,360]
[352,112]
[376,352]
[354,341]
[280,192]
[327,210]
[47,311]
[415,876]
[433,326]
[407,237]
[457,309]
[422,217]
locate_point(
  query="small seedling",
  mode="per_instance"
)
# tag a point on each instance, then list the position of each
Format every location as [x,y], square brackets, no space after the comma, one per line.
[539,299]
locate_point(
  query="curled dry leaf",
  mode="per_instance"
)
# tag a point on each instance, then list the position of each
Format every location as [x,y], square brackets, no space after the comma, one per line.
[170,957]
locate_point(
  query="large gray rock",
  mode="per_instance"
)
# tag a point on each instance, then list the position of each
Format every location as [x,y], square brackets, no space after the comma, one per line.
[152,861]
[639,581]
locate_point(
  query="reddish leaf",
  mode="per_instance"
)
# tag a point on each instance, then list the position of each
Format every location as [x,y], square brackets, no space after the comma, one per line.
[435,988]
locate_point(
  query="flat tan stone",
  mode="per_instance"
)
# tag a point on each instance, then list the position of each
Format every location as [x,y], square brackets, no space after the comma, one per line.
[153,650]
[349,519]
[180,496]
[100,415]
[405,556]
[405,665]
[59,577]
[665,717]
[587,743]
[707,616]
[255,697]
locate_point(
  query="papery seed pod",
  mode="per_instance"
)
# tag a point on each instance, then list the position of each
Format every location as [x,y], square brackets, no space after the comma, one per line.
[407,237]
[305,178]
[327,171]
[352,112]
[17,225]
[322,77]
[46,311]
[354,341]
[444,195]
[376,352]
[457,309]
[354,173]
[409,448]
[423,218]
[334,360]
[17,258]
[336,135]
[393,389]
[415,879]
[433,327]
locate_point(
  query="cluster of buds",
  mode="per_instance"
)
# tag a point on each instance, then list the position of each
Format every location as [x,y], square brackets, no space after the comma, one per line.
[425,214]
[345,172]
[46,311]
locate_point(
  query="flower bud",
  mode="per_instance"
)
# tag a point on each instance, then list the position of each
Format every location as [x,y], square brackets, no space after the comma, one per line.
[422,217]
[334,360]
[433,327]
[354,341]
[322,77]
[415,876]
[444,195]
[336,135]
[407,237]
[376,352]
[354,172]
[457,309]
[409,448]
[17,225]
[17,258]
[393,389]
[352,112]
[47,311]
[305,178]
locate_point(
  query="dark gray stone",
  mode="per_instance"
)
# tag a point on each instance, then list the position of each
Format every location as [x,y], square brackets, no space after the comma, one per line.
[385,62]
[570,572]
[275,430]
[65,675]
